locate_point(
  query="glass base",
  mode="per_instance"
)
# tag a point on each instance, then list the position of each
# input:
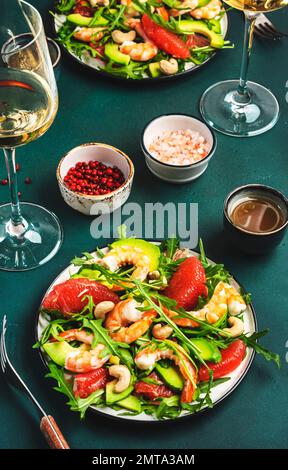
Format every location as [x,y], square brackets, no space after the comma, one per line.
[220,110]
[32,243]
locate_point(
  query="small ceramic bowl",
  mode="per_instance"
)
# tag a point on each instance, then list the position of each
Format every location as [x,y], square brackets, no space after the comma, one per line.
[90,205]
[251,242]
[174,122]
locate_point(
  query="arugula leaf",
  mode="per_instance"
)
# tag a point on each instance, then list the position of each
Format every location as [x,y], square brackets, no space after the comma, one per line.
[76,404]
[251,341]
[122,231]
[64,6]
[168,408]
[170,246]
[84,403]
[62,385]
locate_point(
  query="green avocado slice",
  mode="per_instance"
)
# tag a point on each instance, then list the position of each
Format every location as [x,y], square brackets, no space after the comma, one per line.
[113,53]
[191,26]
[149,249]
[58,351]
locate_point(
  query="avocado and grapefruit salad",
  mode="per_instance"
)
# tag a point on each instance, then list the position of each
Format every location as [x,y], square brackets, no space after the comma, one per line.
[145,328]
[141,39]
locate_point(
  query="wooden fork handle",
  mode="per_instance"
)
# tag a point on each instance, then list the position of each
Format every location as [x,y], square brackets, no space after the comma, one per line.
[52,433]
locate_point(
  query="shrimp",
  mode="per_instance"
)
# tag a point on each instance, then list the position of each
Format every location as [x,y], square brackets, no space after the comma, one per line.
[135,23]
[124,314]
[225,298]
[147,358]
[83,361]
[76,335]
[141,51]
[89,34]
[207,12]
[186,5]
[127,255]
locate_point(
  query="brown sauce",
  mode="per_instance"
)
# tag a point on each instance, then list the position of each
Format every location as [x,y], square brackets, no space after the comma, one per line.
[257,215]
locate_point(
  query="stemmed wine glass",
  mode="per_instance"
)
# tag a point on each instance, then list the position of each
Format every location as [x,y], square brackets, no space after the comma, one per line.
[29,234]
[239,107]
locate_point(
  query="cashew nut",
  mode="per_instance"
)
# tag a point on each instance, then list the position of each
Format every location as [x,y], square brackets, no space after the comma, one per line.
[95,3]
[119,37]
[154,275]
[123,377]
[237,327]
[161,332]
[102,308]
[169,67]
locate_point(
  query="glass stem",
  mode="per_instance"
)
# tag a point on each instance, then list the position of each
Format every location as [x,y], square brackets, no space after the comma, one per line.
[242,95]
[16,217]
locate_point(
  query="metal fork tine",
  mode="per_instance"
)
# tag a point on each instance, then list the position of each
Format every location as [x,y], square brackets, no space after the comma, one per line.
[261,35]
[273,30]
[267,33]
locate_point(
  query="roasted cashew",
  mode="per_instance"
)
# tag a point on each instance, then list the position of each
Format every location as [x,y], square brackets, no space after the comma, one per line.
[102,308]
[123,377]
[95,3]
[119,37]
[237,327]
[169,67]
[154,275]
[161,332]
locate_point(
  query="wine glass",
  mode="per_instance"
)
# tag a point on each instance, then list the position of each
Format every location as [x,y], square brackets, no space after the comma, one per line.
[242,108]
[30,235]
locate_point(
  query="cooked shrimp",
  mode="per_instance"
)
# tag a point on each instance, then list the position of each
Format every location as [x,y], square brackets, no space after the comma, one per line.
[186,5]
[208,12]
[126,323]
[89,34]
[76,335]
[225,298]
[141,51]
[183,322]
[83,361]
[162,331]
[147,358]
[135,23]
[127,255]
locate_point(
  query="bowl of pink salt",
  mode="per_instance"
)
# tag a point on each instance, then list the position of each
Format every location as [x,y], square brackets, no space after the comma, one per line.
[177,147]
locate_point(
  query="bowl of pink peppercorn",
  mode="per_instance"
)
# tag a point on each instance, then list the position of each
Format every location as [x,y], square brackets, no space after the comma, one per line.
[95,178]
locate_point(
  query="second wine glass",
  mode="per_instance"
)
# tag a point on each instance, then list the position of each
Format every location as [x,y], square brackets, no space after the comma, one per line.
[241,108]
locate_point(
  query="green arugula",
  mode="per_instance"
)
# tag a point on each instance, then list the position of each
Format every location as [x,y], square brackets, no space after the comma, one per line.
[252,342]
[76,404]
[64,6]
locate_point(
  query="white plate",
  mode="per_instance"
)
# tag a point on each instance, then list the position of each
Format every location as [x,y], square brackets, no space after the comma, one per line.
[97,64]
[218,393]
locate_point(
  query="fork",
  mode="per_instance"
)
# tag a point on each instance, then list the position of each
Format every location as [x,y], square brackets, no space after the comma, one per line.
[265,29]
[48,426]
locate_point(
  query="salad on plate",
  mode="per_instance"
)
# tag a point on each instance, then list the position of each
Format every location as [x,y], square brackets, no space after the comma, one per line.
[143,330]
[140,39]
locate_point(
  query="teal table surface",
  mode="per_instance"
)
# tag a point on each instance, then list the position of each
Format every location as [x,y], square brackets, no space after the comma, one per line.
[95,109]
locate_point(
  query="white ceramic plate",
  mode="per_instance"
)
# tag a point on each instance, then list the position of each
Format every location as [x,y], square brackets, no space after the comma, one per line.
[97,64]
[218,393]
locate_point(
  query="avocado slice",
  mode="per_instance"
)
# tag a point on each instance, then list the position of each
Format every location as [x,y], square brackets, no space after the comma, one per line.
[154,69]
[192,26]
[208,351]
[149,249]
[112,396]
[58,351]
[203,3]
[216,26]
[131,403]
[80,20]
[113,53]
[171,377]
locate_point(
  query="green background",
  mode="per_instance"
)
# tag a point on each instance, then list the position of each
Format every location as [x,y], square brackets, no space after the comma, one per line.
[95,109]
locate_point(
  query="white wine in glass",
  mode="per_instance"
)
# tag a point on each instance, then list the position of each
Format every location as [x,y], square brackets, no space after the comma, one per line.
[29,234]
[238,107]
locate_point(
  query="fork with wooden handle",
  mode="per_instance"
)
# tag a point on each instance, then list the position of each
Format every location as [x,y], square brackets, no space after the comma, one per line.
[48,426]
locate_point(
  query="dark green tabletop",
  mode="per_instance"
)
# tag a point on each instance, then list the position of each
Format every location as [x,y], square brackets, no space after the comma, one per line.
[94,109]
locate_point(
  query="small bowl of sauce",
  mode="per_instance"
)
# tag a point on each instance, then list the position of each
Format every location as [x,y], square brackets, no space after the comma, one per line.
[256,217]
